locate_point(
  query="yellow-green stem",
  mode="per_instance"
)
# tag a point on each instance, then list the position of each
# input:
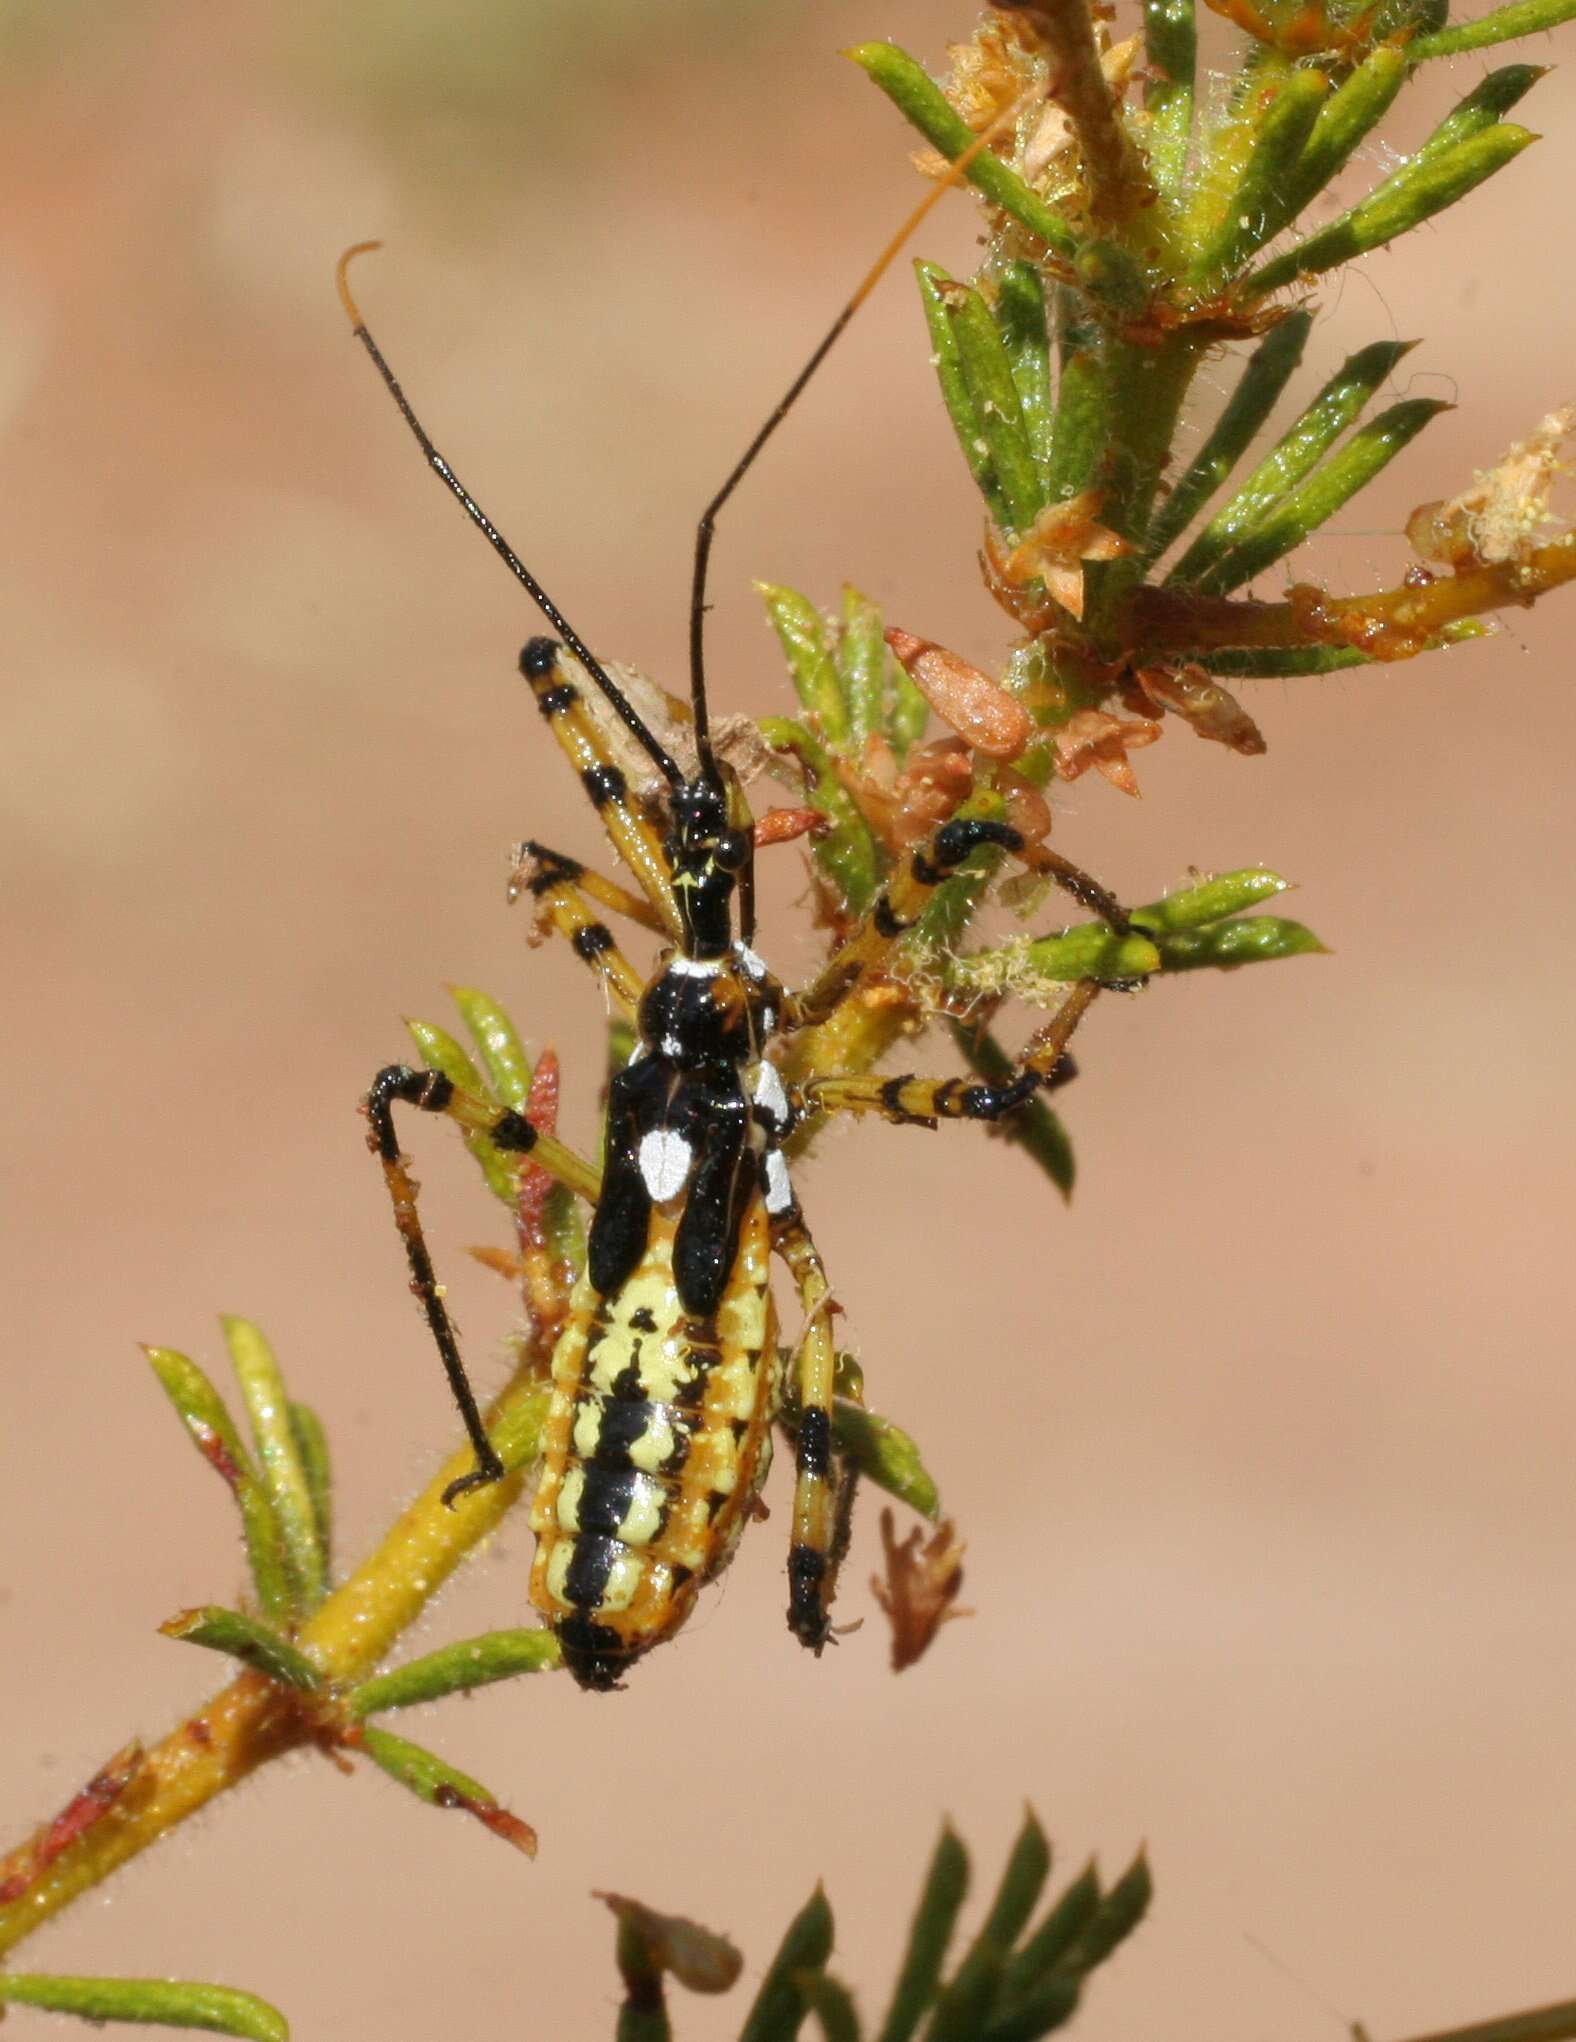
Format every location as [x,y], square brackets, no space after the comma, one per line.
[1388,623]
[251,1720]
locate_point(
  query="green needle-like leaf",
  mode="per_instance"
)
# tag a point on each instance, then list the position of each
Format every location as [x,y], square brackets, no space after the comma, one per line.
[1212,900]
[1402,202]
[1088,950]
[1119,1913]
[311,1443]
[1027,1869]
[1020,320]
[500,1048]
[966,1999]
[1260,205]
[948,912]
[862,662]
[642,2020]
[150,2002]
[1254,663]
[956,394]
[847,852]
[1035,1128]
[564,1228]
[1171,47]
[1059,1933]
[201,1410]
[1296,454]
[1254,939]
[779,2008]
[1331,486]
[1083,420]
[1352,111]
[946,1886]
[922,102]
[439,1051]
[1263,664]
[801,632]
[457,1669]
[987,367]
[1402,20]
[1047,2005]
[243,1638]
[1484,106]
[886,1455]
[831,2003]
[1500,25]
[517,1434]
[441,1785]
[1269,369]
[284,1472]
[909,713]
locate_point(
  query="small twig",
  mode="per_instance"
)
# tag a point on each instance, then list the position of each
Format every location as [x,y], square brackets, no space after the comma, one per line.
[1118,189]
[1388,624]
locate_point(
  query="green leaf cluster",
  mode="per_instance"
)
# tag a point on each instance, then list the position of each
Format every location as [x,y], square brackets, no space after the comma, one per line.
[282,1489]
[500,1072]
[1020,1976]
[1065,364]
[281,1484]
[850,689]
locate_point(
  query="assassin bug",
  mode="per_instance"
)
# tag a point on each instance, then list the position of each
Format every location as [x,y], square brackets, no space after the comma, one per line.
[666,1378]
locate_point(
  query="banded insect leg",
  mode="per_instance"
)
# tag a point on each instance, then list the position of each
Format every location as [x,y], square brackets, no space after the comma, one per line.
[903,899]
[923,1102]
[634,836]
[431,1092]
[560,886]
[823,1492]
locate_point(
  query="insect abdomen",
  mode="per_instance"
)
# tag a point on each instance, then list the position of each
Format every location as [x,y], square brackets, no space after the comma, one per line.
[657,1441]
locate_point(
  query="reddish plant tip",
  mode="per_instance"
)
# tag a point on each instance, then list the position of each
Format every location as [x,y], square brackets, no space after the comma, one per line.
[510,1827]
[216,1453]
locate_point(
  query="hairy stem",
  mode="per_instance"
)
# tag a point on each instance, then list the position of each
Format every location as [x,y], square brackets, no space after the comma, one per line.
[253,1720]
[1388,624]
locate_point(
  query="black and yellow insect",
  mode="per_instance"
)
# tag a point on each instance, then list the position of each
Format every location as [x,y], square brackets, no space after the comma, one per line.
[667,1377]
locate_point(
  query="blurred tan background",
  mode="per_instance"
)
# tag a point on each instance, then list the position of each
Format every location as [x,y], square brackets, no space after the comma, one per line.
[1262,1450]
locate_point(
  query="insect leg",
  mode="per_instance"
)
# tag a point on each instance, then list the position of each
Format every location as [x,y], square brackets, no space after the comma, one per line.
[903,898]
[821,1498]
[431,1092]
[560,886]
[635,838]
[923,1102]
[538,869]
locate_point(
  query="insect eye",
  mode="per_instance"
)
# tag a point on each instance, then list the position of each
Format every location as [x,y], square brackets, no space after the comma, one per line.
[733,847]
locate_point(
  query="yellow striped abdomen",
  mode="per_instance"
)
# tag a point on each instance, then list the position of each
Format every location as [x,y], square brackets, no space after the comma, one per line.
[657,1441]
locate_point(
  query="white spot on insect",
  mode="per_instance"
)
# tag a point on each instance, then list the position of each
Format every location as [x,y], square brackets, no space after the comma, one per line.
[770,1095]
[671,1046]
[779,1192]
[665,1159]
[695,967]
[751,965]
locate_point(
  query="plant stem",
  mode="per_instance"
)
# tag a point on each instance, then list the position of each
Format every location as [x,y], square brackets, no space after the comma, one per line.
[1118,188]
[1389,624]
[253,1720]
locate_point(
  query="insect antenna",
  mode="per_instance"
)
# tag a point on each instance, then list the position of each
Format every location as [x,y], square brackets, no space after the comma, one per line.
[626,710]
[705,530]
